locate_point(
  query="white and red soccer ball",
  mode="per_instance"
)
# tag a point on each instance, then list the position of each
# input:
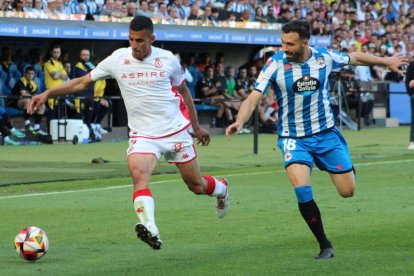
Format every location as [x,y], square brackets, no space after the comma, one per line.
[31,243]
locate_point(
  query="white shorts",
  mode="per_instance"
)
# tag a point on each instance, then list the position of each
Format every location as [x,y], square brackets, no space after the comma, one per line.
[177,148]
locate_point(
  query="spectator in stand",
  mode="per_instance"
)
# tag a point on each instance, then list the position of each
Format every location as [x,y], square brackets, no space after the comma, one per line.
[131,9]
[143,9]
[173,15]
[315,28]
[118,11]
[264,5]
[152,7]
[36,60]
[79,7]
[304,8]
[178,5]
[357,40]
[6,5]
[162,11]
[10,69]
[284,16]
[55,74]
[230,81]
[61,8]
[186,7]
[244,85]
[194,12]
[239,6]
[51,10]
[259,16]
[252,73]
[207,89]
[19,5]
[24,89]
[271,16]
[207,18]
[108,8]
[7,129]
[245,16]
[28,6]
[221,84]
[367,36]
[82,68]
[92,7]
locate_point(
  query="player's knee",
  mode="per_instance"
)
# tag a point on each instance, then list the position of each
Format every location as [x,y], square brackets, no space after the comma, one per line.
[347,192]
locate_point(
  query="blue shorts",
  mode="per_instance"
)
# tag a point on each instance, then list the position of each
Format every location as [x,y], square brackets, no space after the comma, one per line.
[327,149]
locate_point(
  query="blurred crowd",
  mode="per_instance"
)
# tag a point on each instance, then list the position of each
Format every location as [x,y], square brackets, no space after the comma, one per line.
[327,17]
[376,27]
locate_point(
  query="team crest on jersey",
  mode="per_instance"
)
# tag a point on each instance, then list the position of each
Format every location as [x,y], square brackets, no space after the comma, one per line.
[320,62]
[288,66]
[158,63]
[288,156]
[306,85]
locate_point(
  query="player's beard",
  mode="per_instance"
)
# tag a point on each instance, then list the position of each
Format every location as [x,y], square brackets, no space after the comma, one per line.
[296,57]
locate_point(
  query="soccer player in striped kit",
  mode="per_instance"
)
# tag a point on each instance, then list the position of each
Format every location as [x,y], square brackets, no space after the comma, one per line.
[160,110]
[307,134]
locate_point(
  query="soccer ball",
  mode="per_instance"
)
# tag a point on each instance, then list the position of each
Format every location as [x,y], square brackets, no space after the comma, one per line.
[31,243]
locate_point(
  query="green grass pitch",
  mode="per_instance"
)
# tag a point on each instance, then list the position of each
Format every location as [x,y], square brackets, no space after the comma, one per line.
[87,212]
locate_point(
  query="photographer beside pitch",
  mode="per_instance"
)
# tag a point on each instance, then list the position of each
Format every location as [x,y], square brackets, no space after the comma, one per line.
[160,110]
[307,133]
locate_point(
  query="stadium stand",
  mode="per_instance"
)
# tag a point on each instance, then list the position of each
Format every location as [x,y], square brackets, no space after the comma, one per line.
[380,28]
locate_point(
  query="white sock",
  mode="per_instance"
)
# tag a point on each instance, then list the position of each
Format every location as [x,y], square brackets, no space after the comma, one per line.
[36,126]
[144,207]
[27,122]
[220,189]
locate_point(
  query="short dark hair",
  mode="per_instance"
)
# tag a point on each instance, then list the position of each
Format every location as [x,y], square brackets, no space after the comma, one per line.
[29,68]
[140,23]
[302,27]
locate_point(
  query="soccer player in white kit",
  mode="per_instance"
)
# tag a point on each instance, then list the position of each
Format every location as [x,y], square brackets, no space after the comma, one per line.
[160,110]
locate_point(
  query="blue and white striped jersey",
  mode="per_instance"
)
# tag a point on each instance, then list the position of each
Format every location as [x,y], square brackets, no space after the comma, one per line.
[302,91]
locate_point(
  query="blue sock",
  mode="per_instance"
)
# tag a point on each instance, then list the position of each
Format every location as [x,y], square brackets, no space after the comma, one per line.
[304,193]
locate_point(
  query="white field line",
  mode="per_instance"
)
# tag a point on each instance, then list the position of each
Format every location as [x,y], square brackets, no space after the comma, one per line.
[176,180]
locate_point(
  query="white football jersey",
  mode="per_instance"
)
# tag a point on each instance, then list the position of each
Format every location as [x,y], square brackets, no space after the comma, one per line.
[154,107]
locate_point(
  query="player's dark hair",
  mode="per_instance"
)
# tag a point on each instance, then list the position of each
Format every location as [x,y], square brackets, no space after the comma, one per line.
[302,27]
[29,68]
[140,23]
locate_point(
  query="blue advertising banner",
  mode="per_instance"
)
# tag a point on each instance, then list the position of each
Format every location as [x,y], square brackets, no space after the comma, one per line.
[72,29]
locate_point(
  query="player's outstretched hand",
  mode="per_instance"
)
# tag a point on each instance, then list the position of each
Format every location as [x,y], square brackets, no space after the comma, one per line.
[396,61]
[203,136]
[35,102]
[233,128]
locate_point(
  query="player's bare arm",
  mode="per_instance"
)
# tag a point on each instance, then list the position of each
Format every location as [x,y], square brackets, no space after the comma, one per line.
[393,62]
[246,109]
[202,134]
[70,87]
